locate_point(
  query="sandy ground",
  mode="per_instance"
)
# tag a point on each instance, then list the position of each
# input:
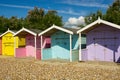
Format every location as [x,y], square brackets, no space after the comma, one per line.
[31,69]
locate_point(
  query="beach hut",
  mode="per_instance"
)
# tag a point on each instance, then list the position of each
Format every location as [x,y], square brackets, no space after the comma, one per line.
[8,43]
[103,41]
[64,43]
[30,40]
[31,46]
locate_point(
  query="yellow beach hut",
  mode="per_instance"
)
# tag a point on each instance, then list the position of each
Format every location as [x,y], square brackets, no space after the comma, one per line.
[9,42]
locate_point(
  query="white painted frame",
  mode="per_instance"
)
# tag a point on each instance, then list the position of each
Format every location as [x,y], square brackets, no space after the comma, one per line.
[7,32]
[27,30]
[56,27]
[98,22]
[80,51]
[70,48]
[41,37]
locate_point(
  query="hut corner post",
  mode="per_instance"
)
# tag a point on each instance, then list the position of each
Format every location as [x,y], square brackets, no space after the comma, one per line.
[35,48]
[80,54]
[41,41]
[70,48]
[14,46]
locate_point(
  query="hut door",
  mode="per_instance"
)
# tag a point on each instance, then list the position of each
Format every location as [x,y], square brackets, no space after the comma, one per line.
[104,49]
[9,49]
[109,49]
[99,50]
[105,45]
[110,45]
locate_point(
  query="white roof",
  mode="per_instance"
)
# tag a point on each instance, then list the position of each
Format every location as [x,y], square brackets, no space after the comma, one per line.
[7,32]
[24,29]
[99,21]
[55,27]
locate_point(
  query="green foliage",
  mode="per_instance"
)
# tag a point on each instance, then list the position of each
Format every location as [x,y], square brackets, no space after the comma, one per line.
[4,23]
[36,19]
[51,18]
[112,14]
[93,16]
[81,26]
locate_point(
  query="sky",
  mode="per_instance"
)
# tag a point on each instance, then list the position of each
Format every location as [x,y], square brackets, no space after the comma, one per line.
[72,11]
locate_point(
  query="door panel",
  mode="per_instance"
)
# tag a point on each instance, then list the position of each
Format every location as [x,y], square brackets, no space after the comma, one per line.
[99,50]
[105,46]
[108,54]
[110,45]
[9,50]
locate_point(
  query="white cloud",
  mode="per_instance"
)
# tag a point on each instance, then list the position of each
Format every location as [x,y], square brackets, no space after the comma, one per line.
[69,11]
[74,22]
[72,12]
[86,3]
[17,6]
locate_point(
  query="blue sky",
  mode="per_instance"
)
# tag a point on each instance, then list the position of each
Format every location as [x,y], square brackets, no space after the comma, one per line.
[65,8]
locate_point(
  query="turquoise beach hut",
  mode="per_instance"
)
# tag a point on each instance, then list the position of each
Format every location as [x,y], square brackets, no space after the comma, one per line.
[64,43]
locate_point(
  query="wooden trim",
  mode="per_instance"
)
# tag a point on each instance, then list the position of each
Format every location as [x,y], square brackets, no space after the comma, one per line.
[35,47]
[14,47]
[56,27]
[98,22]
[41,46]
[70,48]
[7,32]
[24,29]
[80,54]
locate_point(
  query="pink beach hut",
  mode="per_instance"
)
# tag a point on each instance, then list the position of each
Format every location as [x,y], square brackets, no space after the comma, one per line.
[30,43]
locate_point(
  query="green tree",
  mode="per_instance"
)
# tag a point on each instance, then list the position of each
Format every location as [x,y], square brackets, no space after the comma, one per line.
[4,23]
[93,16]
[113,13]
[51,18]
[37,18]
[14,23]
[34,17]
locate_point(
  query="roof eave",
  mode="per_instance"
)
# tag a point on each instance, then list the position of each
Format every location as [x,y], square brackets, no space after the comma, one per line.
[88,26]
[24,29]
[56,27]
[7,32]
[99,21]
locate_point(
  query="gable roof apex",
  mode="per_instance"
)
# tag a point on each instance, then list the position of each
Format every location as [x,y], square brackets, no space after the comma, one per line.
[7,32]
[99,21]
[8,29]
[55,27]
[25,29]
